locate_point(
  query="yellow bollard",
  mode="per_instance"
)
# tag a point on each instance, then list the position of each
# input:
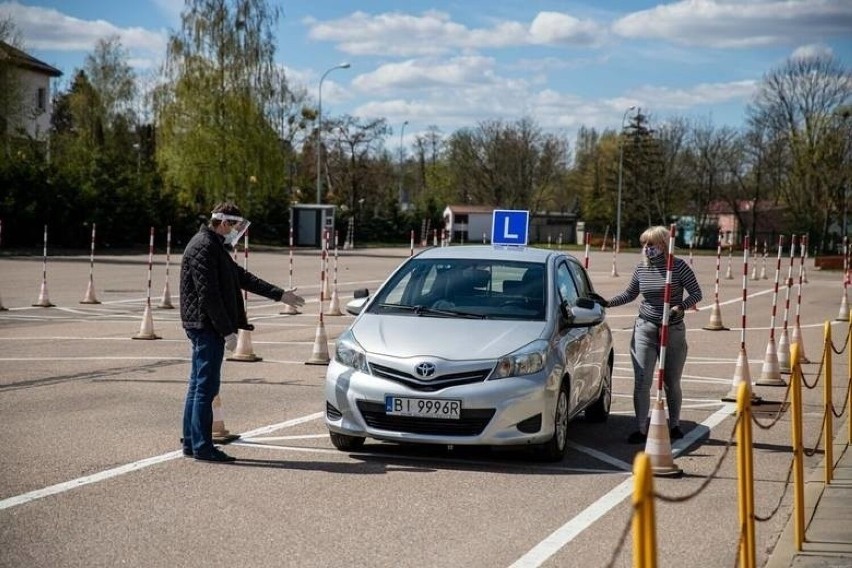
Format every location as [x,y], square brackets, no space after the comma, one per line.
[828,428]
[798,457]
[644,521]
[745,471]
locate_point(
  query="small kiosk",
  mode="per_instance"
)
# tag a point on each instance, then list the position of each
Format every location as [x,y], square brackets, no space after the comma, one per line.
[309,221]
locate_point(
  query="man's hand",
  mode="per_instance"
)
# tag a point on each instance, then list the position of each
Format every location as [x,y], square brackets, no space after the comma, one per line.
[293,299]
[231,341]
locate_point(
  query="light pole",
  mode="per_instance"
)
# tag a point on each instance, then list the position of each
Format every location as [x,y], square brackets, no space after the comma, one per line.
[319,129]
[620,173]
[401,196]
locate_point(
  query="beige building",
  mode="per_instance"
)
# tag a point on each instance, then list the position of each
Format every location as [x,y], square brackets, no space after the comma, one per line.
[27,109]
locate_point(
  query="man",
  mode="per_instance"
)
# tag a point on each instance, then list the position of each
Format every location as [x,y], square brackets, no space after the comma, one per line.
[212,311]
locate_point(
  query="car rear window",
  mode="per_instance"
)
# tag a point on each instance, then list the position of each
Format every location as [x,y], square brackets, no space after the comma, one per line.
[491,289]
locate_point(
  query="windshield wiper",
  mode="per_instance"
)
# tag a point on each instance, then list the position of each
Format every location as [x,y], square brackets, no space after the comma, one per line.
[425,311]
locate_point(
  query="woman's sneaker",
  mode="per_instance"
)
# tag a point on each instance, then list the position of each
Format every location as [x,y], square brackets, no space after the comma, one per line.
[637,437]
[676,433]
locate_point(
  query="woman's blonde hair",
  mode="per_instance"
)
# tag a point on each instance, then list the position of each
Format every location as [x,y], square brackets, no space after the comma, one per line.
[657,236]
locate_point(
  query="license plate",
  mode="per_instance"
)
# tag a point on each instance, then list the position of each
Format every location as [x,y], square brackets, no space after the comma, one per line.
[423,407]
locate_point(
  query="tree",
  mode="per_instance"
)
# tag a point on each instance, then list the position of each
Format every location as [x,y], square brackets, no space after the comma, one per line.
[11,93]
[797,104]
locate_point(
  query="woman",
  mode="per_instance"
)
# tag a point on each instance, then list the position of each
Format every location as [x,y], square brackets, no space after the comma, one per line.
[649,279]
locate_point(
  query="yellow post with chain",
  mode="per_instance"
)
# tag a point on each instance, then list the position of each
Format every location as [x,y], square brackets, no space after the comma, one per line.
[644,520]
[827,402]
[798,457]
[745,471]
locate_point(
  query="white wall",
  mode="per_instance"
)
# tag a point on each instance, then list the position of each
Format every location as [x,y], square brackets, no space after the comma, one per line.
[36,122]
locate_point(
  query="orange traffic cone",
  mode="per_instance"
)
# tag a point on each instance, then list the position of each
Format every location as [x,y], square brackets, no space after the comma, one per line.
[319,354]
[166,301]
[742,374]
[770,373]
[798,340]
[90,297]
[784,352]
[658,445]
[715,318]
[43,299]
[146,330]
[244,351]
[221,435]
[843,312]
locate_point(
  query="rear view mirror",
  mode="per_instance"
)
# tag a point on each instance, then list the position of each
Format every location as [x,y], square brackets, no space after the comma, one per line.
[360,296]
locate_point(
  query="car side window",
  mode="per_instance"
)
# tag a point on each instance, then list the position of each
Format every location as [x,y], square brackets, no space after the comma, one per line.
[581,279]
[565,283]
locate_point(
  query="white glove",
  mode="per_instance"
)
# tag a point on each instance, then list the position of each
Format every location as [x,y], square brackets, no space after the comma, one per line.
[231,341]
[289,297]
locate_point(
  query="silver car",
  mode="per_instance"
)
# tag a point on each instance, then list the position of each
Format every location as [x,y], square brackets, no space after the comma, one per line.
[473,345]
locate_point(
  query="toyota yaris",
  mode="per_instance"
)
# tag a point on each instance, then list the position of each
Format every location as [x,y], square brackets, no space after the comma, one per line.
[473,345]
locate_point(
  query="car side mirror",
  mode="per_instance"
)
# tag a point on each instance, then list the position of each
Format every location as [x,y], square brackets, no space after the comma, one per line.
[361,293]
[584,313]
[361,296]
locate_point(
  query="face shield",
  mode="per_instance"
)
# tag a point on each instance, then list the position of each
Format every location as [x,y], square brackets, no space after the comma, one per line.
[237,224]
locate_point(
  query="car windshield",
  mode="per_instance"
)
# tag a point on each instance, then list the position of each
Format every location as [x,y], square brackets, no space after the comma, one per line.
[465,288]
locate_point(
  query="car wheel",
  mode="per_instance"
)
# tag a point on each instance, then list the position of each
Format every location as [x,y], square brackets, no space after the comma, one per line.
[554,449]
[599,410]
[346,443]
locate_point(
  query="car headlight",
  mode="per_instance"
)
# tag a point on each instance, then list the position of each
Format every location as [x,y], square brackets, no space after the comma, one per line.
[525,361]
[348,352]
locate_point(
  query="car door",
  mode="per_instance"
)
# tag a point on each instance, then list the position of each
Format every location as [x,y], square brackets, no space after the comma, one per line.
[598,336]
[573,342]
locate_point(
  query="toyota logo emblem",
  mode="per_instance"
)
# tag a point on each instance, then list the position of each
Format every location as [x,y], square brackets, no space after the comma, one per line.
[425,370]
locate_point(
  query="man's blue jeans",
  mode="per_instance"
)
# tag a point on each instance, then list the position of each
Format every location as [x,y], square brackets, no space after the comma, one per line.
[208,350]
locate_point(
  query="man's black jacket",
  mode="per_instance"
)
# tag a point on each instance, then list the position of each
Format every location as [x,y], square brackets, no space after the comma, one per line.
[210,284]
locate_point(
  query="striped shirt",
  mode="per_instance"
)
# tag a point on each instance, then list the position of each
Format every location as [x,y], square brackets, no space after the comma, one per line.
[650,281]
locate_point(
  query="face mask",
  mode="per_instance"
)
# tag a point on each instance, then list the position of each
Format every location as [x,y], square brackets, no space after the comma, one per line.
[652,251]
[232,237]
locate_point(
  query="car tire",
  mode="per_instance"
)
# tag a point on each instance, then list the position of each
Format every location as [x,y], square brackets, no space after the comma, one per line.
[346,443]
[598,412]
[554,449]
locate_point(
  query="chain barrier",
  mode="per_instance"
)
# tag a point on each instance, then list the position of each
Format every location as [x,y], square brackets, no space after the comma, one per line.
[623,538]
[845,400]
[810,453]
[818,374]
[845,342]
[778,413]
[777,507]
[709,478]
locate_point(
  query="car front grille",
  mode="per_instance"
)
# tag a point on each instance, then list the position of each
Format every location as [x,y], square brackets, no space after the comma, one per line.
[433,383]
[472,422]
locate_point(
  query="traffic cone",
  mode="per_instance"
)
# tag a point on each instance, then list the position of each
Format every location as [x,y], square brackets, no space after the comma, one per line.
[843,312]
[166,301]
[90,297]
[754,271]
[146,330]
[244,351]
[742,374]
[614,272]
[797,340]
[334,304]
[221,435]
[728,274]
[770,373]
[658,445]
[763,275]
[43,299]
[289,310]
[319,354]
[715,318]
[784,352]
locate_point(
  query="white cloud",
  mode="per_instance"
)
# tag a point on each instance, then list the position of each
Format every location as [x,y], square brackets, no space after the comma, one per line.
[426,74]
[703,94]
[49,29]
[737,24]
[556,28]
[811,50]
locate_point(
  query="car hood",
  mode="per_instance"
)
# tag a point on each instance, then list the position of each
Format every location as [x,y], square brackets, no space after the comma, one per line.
[448,338]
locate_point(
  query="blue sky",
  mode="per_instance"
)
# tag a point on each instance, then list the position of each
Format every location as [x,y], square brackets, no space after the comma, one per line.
[454,63]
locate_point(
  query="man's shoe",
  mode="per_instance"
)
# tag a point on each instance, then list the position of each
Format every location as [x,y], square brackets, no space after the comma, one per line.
[637,437]
[216,455]
[676,433]
[187,452]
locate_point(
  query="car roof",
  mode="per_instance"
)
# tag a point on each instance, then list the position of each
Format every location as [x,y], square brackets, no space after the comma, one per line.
[486,252]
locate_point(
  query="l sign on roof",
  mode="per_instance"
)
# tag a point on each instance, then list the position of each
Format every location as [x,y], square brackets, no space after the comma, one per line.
[509,227]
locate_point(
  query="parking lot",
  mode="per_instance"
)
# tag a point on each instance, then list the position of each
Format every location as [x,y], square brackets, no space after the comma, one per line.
[92,473]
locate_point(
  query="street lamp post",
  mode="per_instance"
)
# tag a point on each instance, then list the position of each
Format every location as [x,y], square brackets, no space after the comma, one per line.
[401,157]
[319,129]
[620,174]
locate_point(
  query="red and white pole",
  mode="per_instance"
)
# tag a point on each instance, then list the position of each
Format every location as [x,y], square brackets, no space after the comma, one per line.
[718,265]
[770,374]
[166,301]
[245,264]
[745,292]
[90,297]
[797,329]
[691,242]
[742,374]
[43,299]
[150,266]
[664,328]
[775,291]
[290,273]
[843,312]
[410,251]
[586,259]
[784,338]
[146,330]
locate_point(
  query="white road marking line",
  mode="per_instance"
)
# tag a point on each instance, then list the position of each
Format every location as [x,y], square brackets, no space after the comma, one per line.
[599,455]
[135,466]
[573,528]
[277,438]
